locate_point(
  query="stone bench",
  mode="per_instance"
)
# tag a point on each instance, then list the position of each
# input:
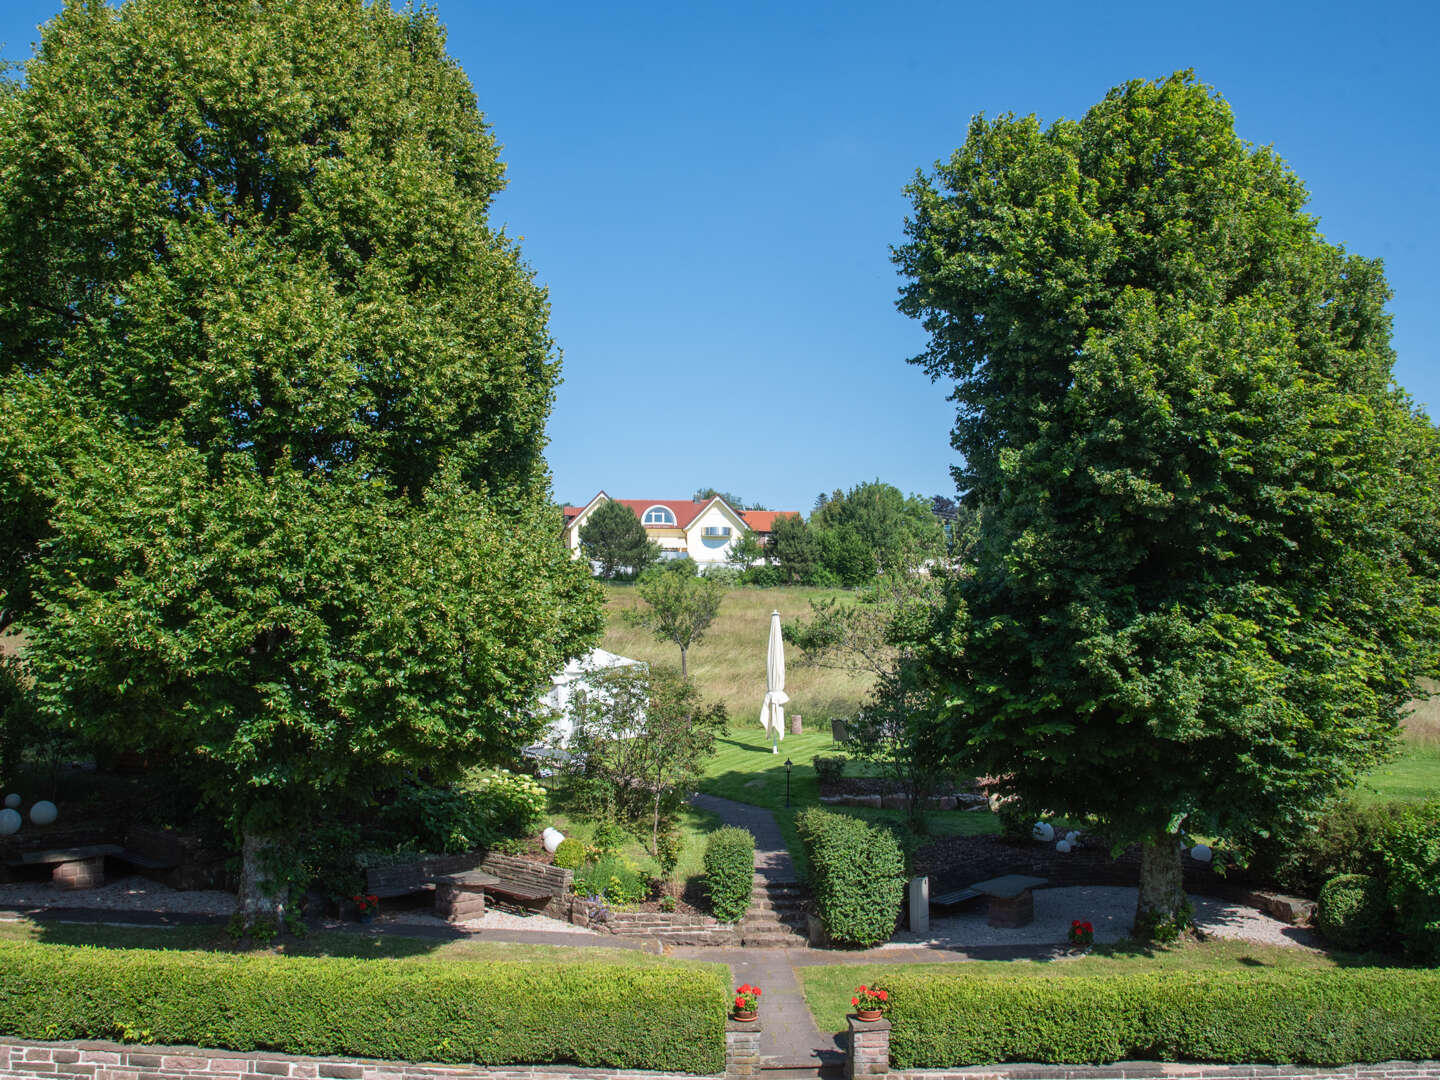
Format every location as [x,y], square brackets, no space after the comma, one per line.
[1011,902]
[74,868]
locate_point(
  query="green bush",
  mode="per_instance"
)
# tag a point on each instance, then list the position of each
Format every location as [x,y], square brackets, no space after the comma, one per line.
[829,768]
[614,879]
[570,854]
[1410,849]
[489,1014]
[1353,911]
[609,838]
[1329,1017]
[858,874]
[729,872]
[1343,839]
[505,803]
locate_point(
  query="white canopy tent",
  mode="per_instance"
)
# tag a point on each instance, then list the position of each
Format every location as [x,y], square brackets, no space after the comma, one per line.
[575,677]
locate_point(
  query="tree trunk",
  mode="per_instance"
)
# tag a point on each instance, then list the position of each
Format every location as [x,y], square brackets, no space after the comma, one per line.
[1162,900]
[682,662]
[261,905]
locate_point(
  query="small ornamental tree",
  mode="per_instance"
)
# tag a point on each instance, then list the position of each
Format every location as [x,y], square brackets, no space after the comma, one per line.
[613,536]
[645,736]
[1205,577]
[272,405]
[679,606]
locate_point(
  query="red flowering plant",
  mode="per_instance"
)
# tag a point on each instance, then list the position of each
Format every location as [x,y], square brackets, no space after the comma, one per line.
[747,999]
[366,902]
[868,998]
[1082,934]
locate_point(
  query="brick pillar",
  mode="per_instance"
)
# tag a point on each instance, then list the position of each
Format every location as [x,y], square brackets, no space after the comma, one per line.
[742,1049]
[80,873]
[869,1051]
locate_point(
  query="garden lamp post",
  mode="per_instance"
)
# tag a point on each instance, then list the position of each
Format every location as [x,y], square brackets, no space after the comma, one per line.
[787,783]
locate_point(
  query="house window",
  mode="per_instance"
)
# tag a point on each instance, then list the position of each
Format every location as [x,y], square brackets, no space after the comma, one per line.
[659,515]
[717,531]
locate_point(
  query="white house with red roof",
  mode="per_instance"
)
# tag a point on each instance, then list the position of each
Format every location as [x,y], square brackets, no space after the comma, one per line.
[702,530]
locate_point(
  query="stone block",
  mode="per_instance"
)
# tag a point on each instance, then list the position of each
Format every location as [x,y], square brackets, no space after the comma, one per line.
[796,727]
[79,873]
[1010,913]
[894,802]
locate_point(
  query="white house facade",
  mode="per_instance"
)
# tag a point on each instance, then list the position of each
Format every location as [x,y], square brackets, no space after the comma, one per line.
[704,530]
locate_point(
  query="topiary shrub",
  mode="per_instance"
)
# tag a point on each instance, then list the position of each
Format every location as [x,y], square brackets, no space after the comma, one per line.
[1353,911]
[729,872]
[857,872]
[829,768]
[1410,849]
[570,854]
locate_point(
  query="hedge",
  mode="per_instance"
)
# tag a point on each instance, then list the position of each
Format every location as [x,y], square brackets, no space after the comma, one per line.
[1330,1017]
[858,874]
[593,1014]
[730,872]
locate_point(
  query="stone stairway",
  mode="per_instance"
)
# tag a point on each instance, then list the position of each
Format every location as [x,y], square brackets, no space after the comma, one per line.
[776,919]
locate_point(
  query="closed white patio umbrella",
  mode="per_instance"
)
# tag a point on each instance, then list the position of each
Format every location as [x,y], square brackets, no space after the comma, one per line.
[772,710]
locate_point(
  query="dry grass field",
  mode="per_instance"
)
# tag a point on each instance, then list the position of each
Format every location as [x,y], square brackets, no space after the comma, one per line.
[729,663]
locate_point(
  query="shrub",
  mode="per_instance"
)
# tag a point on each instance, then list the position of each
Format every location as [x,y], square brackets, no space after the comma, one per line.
[609,838]
[614,879]
[729,576]
[857,872]
[829,768]
[489,1014]
[570,854]
[1327,1017]
[729,872]
[1343,839]
[504,803]
[1410,850]
[668,845]
[1017,821]
[1353,911]
[765,577]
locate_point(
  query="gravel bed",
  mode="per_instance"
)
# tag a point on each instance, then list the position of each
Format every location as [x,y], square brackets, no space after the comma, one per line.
[1111,908]
[119,894]
[493,919]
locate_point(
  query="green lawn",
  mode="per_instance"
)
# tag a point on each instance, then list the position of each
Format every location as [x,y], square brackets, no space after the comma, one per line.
[829,987]
[1415,774]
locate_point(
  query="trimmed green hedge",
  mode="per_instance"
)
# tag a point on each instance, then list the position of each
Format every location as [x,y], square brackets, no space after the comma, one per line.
[730,872]
[662,1018]
[858,873]
[1307,1017]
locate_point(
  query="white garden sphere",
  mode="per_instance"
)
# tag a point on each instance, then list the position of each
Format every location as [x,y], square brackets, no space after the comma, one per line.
[1043,832]
[552,837]
[1200,853]
[44,812]
[1063,847]
[1072,836]
[10,821]
[12,801]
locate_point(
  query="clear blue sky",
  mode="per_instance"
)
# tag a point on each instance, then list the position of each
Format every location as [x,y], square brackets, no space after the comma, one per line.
[710,192]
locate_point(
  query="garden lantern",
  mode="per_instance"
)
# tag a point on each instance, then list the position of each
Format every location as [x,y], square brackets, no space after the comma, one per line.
[787,783]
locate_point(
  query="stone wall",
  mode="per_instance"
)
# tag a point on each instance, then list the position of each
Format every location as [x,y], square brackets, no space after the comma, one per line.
[25,1060]
[671,928]
[868,1056]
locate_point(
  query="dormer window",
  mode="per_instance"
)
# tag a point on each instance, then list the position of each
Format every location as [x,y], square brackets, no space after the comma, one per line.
[659,515]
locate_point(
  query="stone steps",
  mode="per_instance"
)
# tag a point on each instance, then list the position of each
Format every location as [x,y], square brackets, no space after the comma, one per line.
[776,918]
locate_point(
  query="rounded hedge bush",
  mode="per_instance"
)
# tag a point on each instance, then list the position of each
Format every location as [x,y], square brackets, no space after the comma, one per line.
[570,854]
[858,873]
[1353,911]
[729,872]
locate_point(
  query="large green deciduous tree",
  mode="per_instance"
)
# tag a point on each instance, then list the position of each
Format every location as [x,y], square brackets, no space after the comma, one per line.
[874,528]
[613,537]
[274,396]
[1206,573]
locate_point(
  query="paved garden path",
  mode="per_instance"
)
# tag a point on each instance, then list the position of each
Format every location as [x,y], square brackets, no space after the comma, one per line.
[772,858]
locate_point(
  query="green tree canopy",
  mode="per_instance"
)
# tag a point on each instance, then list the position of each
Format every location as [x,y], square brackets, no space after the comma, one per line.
[679,606]
[274,395]
[1206,573]
[613,536]
[873,528]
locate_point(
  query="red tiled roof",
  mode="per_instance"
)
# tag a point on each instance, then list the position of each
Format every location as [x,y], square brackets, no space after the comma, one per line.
[764,520]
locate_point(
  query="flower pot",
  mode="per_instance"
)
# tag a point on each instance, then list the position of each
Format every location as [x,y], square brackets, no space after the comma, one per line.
[745,1016]
[366,916]
[868,1014]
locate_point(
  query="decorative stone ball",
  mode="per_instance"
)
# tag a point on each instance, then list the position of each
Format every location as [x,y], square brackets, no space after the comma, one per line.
[552,837]
[10,821]
[12,801]
[1043,832]
[1072,836]
[44,812]
[1063,846]
[1200,853]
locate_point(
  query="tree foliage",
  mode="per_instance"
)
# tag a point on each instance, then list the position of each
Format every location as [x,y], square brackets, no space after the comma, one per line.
[873,528]
[274,395]
[642,737]
[679,606]
[1206,574]
[614,537]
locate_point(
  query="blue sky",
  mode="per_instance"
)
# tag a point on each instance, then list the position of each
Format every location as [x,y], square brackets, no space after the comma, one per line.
[710,192]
